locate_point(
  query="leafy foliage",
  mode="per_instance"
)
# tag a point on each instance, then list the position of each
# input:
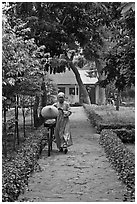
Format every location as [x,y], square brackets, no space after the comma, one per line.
[67,30]
[112,140]
[122,160]
[120,59]
[63,27]
[19,62]
[79,30]
[92,115]
[16,172]
[23,71]
[127,136]
[115,122]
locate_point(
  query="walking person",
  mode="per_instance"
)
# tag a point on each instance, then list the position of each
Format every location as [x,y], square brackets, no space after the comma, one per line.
[62,130]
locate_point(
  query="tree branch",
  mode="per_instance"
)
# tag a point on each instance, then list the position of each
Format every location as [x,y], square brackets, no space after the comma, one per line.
[72,56]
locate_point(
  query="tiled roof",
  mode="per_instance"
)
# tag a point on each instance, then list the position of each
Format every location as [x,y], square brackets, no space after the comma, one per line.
[68,77]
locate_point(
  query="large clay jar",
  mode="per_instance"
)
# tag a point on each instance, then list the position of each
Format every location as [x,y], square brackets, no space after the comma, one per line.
[49,112]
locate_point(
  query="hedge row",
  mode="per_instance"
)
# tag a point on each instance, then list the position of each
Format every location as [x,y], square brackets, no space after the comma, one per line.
[15,173]
[126,136]
[101,126]
[121,158]
[112,138]
[126,132]
[93,117]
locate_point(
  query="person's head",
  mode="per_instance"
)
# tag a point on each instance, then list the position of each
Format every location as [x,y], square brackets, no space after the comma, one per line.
[61,97]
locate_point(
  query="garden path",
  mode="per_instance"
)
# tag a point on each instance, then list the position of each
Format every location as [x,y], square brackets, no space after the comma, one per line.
[82,175]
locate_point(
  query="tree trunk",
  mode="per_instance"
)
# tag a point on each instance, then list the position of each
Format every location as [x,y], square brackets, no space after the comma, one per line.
[117,101]
[38,120]
[44,95]
[16,119]
[24,125]
[43,101]
[102,97]
[83,89]
[31,114]
[35,111]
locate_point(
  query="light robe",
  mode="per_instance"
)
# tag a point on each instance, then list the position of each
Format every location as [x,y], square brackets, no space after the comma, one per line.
[62,130]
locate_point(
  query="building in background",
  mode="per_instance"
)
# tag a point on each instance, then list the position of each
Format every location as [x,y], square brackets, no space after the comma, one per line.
[66,82]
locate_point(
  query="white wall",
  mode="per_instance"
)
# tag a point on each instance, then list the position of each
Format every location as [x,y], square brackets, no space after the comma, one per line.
[100,95]
[75,98]
[97,94]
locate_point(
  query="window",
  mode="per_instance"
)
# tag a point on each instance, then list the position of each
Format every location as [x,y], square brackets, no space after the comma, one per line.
[61,89]
[71,91]
[77,91]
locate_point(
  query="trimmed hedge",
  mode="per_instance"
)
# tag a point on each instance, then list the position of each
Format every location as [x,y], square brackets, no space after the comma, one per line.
[121,158]
[93,117]
[101,126]
[126,132]
[127,136]
[15,173]
[112,138]
[97,121]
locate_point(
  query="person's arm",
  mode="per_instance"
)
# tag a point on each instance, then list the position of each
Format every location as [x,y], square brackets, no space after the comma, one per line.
[68,112]
[55,104]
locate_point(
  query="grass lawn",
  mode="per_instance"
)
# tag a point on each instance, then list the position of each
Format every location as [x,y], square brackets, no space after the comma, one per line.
[109,114]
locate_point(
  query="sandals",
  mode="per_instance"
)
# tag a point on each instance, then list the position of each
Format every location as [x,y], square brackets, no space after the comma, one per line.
[65,150]
[61,149]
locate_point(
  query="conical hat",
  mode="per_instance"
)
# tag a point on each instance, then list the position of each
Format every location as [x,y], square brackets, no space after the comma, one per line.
[49,112]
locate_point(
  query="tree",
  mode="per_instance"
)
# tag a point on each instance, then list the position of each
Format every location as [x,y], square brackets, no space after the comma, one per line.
[19,72]
[22,71]
[120,59]
[26,106]
[66,30]
[19,66]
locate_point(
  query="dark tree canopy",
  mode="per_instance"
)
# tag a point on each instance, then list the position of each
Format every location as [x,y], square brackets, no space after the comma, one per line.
[64,26]
[120,60]
[94,30]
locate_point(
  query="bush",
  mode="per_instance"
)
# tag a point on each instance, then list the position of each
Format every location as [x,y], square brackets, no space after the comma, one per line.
[127,136]
[128,93]
[100,123]
[113,133]
[93,117]
[15,173]
[121,158]
[101,126]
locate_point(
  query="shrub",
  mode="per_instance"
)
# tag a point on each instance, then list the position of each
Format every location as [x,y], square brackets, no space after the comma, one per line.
[127,136]
[93,117]
[101,126]
[113,133]
[15,173]
[100,123]
[121,158]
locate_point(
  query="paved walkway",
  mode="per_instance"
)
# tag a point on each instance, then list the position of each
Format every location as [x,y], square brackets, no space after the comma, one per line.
[82,175]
